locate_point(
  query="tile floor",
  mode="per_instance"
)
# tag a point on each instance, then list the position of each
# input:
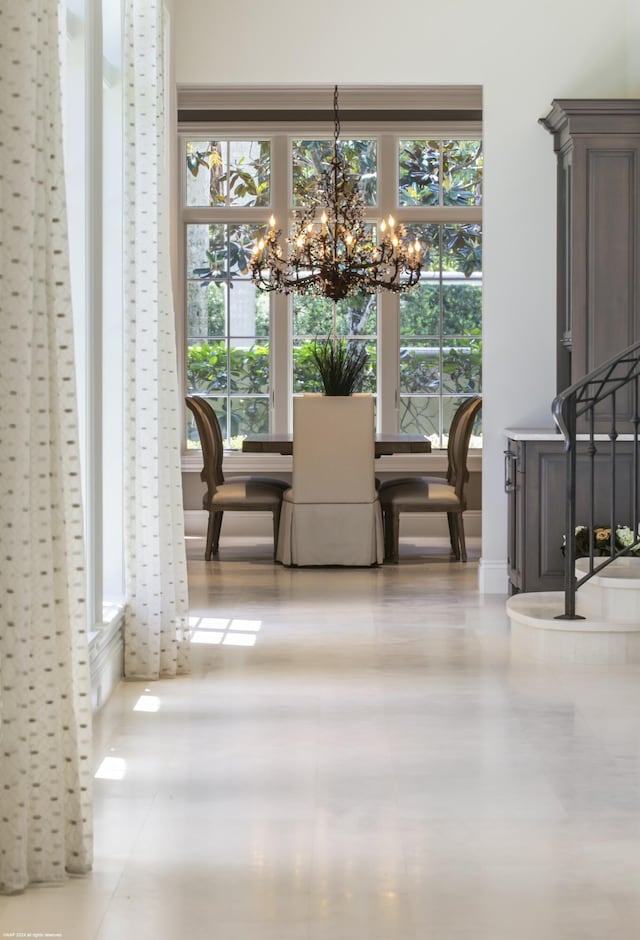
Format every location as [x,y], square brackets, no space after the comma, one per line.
[354,757]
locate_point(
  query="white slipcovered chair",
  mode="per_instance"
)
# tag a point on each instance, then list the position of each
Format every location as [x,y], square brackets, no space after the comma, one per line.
[331,514]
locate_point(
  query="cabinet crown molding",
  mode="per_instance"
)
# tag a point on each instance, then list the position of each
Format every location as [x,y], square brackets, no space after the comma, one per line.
[570,117]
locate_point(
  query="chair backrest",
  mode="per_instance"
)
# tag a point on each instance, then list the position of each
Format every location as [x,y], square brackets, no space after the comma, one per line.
[333,449]
[459,444]
[210,439]
[451,463]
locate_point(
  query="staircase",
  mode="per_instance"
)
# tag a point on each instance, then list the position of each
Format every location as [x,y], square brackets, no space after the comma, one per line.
[608,635]
[595,620]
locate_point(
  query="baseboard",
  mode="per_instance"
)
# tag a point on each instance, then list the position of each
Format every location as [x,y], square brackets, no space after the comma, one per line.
[259,524]
[493,576]
[106,660]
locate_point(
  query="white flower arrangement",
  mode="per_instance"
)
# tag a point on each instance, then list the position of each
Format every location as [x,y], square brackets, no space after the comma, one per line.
[624,538]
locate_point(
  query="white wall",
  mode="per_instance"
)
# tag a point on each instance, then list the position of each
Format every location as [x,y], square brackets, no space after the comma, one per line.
[523,56]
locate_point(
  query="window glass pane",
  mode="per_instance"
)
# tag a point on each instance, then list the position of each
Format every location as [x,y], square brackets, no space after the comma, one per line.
[242,240]
[237,418]
[242,310]
[222,367]
[249,172]
[310,159]
[207,368]
[354,316]
[246,416]
[440,173]
[206,309]
[461,248]
[461,365]
[221,172]
[429,237]
[112,300]
[420,310]
[206,254]
[306,377]
[219,405]
[249,368]
[421,415]
[461,306]
[205,170]
[462,172]
[419,172]
[219,251]
[420,366]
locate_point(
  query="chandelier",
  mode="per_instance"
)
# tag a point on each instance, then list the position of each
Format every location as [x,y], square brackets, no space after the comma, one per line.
[332,251]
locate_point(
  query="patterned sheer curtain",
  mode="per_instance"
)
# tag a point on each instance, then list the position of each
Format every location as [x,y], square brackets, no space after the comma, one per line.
[45,705]
[156,617]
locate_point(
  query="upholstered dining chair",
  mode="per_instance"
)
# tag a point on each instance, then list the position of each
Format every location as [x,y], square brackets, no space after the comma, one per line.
[242,493]
[331,514]
[434,494]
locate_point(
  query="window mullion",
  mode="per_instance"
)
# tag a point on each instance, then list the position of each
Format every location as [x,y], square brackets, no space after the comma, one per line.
[280,338]
[388,303]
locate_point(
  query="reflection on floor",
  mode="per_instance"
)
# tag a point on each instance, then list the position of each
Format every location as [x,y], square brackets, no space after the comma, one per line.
[355,758]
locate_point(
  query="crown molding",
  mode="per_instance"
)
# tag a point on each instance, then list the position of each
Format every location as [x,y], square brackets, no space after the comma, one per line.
[405,98]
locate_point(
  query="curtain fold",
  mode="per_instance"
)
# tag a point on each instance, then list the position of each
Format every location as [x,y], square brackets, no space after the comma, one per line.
[45,702]
[156,616]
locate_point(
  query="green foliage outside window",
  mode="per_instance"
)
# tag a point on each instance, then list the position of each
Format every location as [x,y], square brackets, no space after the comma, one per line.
[440,172]
[310,159]
[233,172]
[214,370]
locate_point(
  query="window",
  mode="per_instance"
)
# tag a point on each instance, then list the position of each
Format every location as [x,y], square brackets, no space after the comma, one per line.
[92,119]
[227,318]
[248,351]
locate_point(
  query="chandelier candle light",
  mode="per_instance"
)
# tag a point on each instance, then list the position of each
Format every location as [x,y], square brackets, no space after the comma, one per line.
[332,251]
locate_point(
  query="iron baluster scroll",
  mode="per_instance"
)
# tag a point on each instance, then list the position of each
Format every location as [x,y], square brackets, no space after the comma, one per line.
[332,251]
[581,401]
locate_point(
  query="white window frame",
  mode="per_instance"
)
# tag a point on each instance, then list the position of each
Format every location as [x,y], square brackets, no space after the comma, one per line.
[92,95]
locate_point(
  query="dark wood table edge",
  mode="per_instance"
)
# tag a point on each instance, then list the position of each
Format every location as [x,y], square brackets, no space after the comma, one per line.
[385,444]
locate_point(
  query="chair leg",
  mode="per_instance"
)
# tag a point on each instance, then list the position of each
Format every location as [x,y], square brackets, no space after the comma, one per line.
[208,550]
[276,530]
[463,546]
[454,529]
[213,535]
[453,535]
[216,532]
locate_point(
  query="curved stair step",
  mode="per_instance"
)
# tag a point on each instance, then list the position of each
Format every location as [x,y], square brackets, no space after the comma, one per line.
[536,634]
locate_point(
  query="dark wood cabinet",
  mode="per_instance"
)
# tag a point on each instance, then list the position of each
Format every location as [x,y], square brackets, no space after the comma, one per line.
[597,142]
[535,481]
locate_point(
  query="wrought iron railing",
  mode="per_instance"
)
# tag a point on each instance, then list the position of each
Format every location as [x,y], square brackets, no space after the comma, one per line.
[587,414]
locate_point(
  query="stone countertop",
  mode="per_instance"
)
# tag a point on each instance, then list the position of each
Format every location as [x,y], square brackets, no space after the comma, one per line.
[552,434]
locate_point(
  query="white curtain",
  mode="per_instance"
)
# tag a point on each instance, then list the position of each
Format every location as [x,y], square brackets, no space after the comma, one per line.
[156,620]
[45,705]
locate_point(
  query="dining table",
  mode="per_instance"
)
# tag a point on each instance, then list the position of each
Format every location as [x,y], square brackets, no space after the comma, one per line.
[385,444]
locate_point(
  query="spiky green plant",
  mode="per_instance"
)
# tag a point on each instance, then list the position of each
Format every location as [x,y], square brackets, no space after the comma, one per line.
[340,364]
